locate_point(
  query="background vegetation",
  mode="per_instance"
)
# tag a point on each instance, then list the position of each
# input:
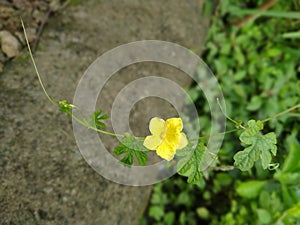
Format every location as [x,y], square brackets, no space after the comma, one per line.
[257,61]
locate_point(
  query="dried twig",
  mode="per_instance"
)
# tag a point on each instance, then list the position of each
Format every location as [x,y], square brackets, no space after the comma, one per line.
[38,35]
[268,4]
[53,9]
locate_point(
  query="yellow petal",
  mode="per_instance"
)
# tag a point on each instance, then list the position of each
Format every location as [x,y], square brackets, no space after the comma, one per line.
[156,126]
[172,138]
[182,141]
[174,124]
[166,151]
[152,142]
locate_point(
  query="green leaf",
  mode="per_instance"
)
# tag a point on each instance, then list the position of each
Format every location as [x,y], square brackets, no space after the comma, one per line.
[292,162]
[96,117]
[239,56]
[169,218]
[264,216]
[294,211]
[240,91]
[141,158]
[224,179]
[250,189]
[189,165]
[119,150]
[226,48]
[184,199]
[260,146]
[132,147]
[194,94]
[264,199]
[273,52]
[287,177]
[291,35]
[255,103]
[156,212]
[128,159]
[287,196]
[203,213]
[182,218]
[239,75]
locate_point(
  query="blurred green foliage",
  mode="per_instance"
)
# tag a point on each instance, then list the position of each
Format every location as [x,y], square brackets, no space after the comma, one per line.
[258,68]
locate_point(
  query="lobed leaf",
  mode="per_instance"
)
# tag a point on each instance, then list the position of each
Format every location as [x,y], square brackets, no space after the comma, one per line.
[96,119]
[189,165]
[132,147]
[260,147]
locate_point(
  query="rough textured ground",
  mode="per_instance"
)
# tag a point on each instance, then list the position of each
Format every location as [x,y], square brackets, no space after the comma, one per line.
[35,13]
[43,178]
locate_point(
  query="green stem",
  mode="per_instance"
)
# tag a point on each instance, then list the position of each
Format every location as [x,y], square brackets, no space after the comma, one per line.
[207,136]
[281,218]
[294,114]
[85,124]
[281,113]
[106,132]
[82,122]
[265,120]
[237,124]
[35,67]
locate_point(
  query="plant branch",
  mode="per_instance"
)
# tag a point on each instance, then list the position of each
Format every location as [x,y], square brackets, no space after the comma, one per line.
[281,113]
[207,136]
[35,67]
[237,124]
[268,4]
[82,122]
[38,35]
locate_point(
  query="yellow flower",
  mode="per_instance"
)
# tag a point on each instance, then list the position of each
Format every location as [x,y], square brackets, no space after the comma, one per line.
[166,137]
